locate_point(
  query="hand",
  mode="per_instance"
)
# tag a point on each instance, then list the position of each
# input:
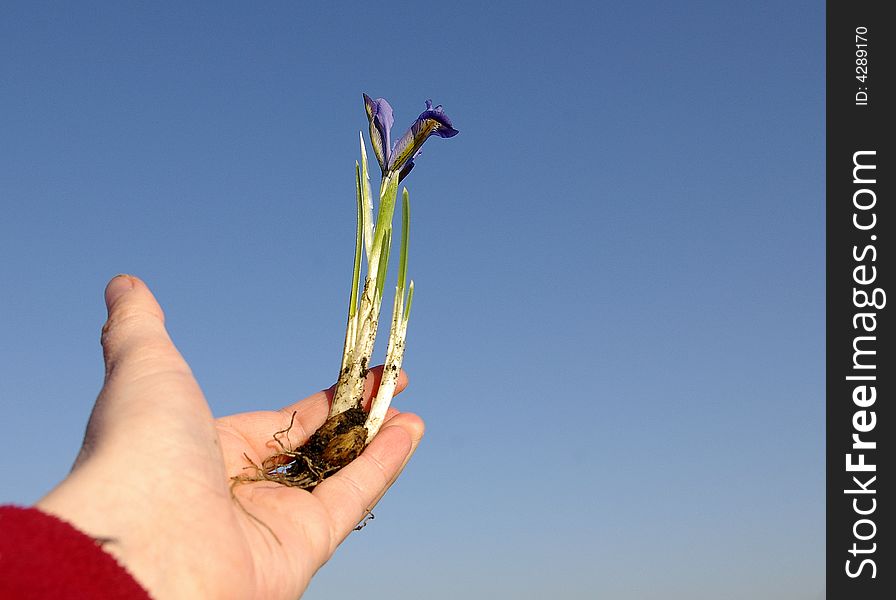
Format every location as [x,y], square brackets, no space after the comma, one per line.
[154,473]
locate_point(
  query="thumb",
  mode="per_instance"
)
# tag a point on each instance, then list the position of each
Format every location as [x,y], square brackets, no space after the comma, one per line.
[148,385]
[135,342]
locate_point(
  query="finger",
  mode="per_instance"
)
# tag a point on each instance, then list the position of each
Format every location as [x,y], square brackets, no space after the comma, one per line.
[352,492]
[135,342]
[419,428]
[148,386]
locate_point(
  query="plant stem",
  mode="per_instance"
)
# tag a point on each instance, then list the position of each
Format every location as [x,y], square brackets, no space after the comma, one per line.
[397,333]
[363,319]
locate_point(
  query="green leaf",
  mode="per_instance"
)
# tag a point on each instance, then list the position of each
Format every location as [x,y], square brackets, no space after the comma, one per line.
[388,192]
[383,264]
[403,249]
[366,199]
[359,231]
[407,308]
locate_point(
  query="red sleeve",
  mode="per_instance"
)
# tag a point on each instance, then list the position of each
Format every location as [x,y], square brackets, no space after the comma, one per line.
[43,557]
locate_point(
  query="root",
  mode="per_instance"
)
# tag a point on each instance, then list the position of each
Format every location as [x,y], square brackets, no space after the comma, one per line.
[285,432]
[368,517]
[338,442]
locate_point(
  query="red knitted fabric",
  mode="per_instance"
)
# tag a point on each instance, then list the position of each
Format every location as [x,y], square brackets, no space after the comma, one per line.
[42,557]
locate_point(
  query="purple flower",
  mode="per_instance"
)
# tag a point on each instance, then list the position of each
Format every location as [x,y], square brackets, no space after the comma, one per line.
[379,113]
[400,158]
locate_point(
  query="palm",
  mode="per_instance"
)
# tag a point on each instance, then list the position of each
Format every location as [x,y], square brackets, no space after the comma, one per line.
[308,525]
[154,474]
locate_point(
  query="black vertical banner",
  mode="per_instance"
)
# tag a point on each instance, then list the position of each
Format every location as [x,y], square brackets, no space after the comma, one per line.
[861,369]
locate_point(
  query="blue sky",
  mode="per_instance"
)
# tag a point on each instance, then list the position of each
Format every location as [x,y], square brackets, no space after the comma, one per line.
[617,339]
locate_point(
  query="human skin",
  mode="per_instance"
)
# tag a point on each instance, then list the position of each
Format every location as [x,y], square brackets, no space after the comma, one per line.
[153,477]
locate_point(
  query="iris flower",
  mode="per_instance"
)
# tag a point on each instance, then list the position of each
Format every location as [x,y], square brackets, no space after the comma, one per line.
[400,158]
[348,429]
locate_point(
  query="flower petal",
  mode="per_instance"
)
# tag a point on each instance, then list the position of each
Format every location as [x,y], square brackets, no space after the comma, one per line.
[405,170]
[432,121]
[379,113]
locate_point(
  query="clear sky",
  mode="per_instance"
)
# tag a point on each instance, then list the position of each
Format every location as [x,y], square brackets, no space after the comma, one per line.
[617,338]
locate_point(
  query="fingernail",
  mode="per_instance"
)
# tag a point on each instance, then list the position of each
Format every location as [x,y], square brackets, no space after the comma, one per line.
[117,287]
